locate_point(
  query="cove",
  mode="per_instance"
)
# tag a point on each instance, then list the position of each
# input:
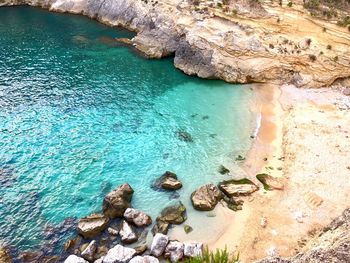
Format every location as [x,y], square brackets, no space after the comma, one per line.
[80,115]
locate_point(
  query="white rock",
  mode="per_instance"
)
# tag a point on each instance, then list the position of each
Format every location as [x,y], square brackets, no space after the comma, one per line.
[137,217]
[144,259]
[175,251]
[119,254]
[263,221]
[112,231]
[127,234]
[298,216]
[75,259]
[89,251]
[193,249]
[272,252]
[159,244]
[100,260]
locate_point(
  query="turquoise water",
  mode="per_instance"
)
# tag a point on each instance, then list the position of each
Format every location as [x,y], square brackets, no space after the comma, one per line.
[80,115]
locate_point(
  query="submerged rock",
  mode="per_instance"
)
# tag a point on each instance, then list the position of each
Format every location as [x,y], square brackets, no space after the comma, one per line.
[116,202]
[75,259]
[160,227]
[269,182]
[238,187]
[137,217]
[119,254]
[127,234]
[193,249]
[144,259]
[174,250]
[92,225]
[159,244]
[175,214]
[89,251]
[184,136]
[206,197]
[188,229]
[223,170]
[168,181]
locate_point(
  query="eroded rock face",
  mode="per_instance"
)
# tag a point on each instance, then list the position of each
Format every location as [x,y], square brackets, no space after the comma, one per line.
[238,187]
[174,250]
[75,259]
[127,234]
[144,259]
[119,254]
[92,225]
[116,202]
[206,197]
[193,249]
[159,244]
[137,217]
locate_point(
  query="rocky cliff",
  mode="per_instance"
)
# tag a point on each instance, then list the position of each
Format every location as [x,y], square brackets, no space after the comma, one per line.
[237,41]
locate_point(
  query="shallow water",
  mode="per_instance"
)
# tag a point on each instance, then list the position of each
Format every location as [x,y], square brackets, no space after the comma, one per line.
[80,115]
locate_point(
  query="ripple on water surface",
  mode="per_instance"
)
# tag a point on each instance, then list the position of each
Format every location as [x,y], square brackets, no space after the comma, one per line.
[80,115]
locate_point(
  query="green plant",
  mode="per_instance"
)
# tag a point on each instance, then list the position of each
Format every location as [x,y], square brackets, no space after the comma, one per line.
[290,4]
[219,256]
[329,47]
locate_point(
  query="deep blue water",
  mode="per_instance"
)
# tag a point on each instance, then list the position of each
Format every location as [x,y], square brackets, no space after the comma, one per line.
[80,115]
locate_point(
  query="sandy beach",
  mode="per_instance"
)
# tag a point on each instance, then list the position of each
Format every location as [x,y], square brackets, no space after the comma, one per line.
[297,136]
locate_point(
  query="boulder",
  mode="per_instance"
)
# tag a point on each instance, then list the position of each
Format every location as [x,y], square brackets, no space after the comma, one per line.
[144,259]
[160,227]
[269,182]
[206,197]
[175,214]
[168,181]
[92,225]
[75,259]
[116,202]
[89,251]
[193,249]
[5,255]
[175,251]
[127,234]
[238,187]
[159,244]
[99,260]
[119,254]
[137,217]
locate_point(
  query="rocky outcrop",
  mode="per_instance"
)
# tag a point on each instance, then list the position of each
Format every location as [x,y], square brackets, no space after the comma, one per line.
[175,214]
[331,245]
[92,225]
[119,254]
[159,244]
[168,181]
[206,197]
[137,217]
[116,202]
[213,42]
[269,182]
[238,187]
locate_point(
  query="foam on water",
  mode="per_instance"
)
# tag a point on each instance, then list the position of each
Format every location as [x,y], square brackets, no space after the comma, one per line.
[80,115]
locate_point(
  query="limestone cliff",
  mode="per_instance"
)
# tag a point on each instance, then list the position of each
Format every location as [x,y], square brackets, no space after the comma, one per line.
[237,41]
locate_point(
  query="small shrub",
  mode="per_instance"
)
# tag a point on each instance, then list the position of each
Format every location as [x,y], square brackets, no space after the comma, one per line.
[219,256]
[329,47]
[290,4]
[335,59]
[312,58]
